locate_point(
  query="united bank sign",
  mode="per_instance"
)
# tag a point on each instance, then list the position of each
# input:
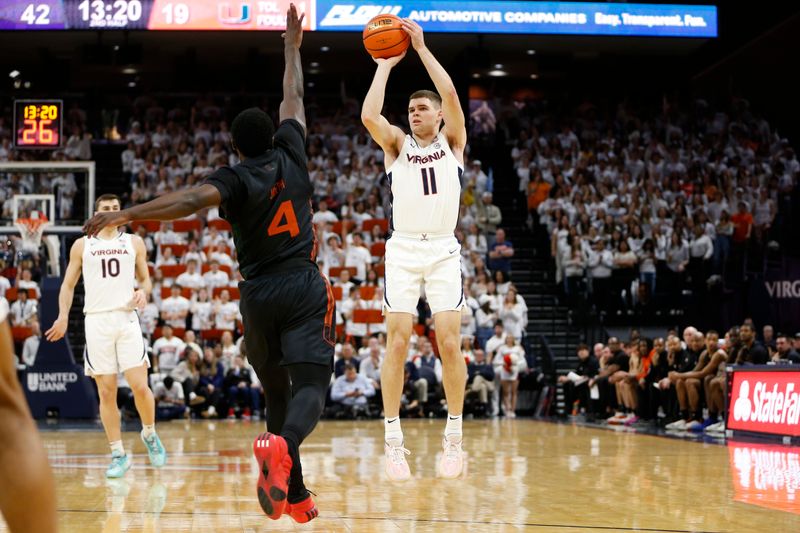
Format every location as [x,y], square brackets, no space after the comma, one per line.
[50,381]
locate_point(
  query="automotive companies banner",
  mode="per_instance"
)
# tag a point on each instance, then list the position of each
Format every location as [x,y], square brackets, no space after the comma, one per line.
[454,16]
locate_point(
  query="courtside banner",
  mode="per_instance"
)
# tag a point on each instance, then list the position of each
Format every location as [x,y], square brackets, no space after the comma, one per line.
[765,401]
[573,18]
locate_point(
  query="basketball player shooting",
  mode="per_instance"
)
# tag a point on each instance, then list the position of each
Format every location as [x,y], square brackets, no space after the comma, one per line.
[424,171]
[111,261]
[287,305]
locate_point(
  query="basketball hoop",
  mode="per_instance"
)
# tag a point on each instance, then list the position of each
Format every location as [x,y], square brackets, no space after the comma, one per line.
[31,230]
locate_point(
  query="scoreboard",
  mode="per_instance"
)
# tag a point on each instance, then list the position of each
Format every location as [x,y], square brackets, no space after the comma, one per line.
[38,123]
[148,14]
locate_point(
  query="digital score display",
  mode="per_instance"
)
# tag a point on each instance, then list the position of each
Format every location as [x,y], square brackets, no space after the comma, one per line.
[150,14]
[38,123]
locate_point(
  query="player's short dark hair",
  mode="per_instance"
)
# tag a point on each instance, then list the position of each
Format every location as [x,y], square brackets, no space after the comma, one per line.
[349,366]
[430,95]
[106,198]
[252,132]
[582,347]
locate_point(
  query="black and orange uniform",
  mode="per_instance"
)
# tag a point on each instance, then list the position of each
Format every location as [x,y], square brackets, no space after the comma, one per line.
[287,305]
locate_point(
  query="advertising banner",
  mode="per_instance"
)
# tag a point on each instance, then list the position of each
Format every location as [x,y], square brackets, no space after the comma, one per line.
[573,18]
[765,401]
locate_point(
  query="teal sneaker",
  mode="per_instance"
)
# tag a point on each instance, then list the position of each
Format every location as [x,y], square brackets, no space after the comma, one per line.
[119,465]
[155,450]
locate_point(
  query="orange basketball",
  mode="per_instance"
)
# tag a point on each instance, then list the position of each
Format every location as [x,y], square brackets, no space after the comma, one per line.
[384,36]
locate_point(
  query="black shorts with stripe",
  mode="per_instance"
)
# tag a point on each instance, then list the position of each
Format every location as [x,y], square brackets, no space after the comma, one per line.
[289,317]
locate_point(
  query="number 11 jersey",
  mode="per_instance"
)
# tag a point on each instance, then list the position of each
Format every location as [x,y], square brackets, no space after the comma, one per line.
[426,188]
[109,273]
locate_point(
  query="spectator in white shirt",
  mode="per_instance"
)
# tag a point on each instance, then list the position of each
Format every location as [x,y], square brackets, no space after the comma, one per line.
[345,283]
[194,253]
[170,400]
[24,281]
[226,312]
[357,255]
[212,237]
[31,345]
[191,278]
[148,317]
[332,254]
[167,351]
[202,311]
[23,311]
[165,235]
[229,350]
[128,155]
[371,364]
[476,241]
[701,251]
[323,215]
[357,330]
[220,254]
[166,258]
[215,277]
[175,308]
[701,246]
[600,263]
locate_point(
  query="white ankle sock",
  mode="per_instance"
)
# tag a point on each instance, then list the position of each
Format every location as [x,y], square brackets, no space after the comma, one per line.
[453,429]
[116,446]
[392,432]
[147,431]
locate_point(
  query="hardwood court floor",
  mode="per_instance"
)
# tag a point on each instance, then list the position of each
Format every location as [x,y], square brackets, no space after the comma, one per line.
[523,476]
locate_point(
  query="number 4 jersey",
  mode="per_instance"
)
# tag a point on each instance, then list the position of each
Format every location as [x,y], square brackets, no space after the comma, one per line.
[267,200]
[109,273]
[426,188]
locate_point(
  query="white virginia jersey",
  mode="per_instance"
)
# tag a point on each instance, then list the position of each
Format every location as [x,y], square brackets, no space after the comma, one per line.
[109,273]
[426,188]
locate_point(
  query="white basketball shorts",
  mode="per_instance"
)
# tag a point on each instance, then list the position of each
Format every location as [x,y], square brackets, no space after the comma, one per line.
[416,263]
[114,343]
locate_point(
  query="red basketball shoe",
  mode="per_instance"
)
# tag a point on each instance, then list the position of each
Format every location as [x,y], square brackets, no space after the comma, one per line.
[274,465]
[302,511]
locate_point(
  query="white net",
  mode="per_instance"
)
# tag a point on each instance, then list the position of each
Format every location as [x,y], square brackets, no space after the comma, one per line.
[31,230]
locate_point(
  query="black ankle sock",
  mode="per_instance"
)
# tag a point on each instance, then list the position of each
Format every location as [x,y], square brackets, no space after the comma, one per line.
[297,489]
[297,498]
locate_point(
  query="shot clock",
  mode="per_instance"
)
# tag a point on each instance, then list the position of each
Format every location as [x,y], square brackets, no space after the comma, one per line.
[38,123]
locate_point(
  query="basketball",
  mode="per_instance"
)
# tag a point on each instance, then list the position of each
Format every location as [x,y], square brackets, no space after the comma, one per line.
[385,37]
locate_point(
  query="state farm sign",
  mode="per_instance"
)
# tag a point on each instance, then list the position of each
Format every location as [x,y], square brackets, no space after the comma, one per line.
[765,402]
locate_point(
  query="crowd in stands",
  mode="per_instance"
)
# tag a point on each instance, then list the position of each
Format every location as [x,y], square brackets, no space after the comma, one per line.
[676,381]
[640,207]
